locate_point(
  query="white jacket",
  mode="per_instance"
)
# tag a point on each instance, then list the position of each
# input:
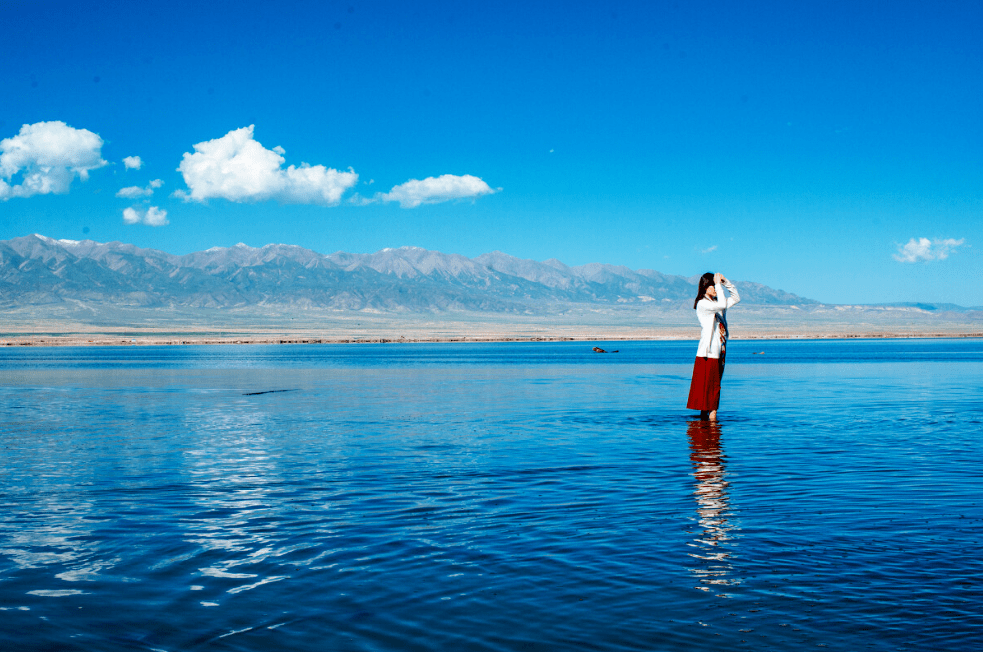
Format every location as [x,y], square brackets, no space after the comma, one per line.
[710,313]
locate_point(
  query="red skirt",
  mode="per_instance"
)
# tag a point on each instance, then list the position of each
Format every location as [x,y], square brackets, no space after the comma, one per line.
[704,391]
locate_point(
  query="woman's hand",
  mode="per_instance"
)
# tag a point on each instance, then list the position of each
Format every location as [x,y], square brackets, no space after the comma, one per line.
[718,277]
[723,279]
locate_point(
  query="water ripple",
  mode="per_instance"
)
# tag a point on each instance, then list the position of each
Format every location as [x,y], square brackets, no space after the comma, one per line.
[441,502]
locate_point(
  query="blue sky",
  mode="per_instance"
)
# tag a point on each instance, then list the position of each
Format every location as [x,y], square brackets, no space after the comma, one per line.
[831,149]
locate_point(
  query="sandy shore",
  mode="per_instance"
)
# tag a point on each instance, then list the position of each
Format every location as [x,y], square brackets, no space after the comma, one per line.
[198,339]
[119,326]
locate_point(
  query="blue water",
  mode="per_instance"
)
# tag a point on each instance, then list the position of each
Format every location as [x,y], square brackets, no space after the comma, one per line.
[491,497]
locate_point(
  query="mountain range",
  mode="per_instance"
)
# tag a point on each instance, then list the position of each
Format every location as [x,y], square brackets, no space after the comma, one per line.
[37,270]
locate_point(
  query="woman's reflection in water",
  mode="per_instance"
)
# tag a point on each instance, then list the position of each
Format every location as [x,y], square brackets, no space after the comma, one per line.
[715,539]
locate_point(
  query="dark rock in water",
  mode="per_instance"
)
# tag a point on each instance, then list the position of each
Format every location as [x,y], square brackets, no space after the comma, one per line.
[598,349]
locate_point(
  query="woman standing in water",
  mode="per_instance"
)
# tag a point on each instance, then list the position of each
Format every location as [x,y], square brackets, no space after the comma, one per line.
[711,309]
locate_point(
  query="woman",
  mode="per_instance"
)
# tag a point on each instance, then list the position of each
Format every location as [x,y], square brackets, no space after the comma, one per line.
[711,309]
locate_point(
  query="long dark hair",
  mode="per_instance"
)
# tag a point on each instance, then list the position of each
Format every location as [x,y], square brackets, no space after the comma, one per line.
[706,281]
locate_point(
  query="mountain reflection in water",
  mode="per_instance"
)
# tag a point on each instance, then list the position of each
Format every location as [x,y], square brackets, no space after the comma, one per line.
[717,532]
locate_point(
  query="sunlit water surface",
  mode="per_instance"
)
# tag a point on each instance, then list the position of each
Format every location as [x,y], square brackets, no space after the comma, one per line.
[491,497]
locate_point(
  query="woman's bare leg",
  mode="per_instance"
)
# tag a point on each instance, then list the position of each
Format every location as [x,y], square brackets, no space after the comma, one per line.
[713,415]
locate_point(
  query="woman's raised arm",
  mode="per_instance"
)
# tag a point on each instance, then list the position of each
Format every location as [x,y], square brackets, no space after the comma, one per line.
[734,297]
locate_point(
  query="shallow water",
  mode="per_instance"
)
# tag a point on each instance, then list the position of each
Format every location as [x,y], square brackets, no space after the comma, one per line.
[491,497]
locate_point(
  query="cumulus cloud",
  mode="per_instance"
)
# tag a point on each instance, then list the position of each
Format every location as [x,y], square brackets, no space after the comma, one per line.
[132,162]
[238,168]
[922,249]
[133,192]
[434,190]
[709,250]
[47,156]
[153,216]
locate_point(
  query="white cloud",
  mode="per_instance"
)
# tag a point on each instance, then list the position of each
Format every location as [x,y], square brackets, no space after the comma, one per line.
[153,216]
[48,156]
[709,250]
[134,192]
[923,249]
[434,190]
[238,168]
[132,162]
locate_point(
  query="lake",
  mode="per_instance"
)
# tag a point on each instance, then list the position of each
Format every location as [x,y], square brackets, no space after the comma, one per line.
[514,496]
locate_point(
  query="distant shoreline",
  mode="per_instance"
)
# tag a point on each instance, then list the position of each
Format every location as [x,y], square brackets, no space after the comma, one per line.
[152,340]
